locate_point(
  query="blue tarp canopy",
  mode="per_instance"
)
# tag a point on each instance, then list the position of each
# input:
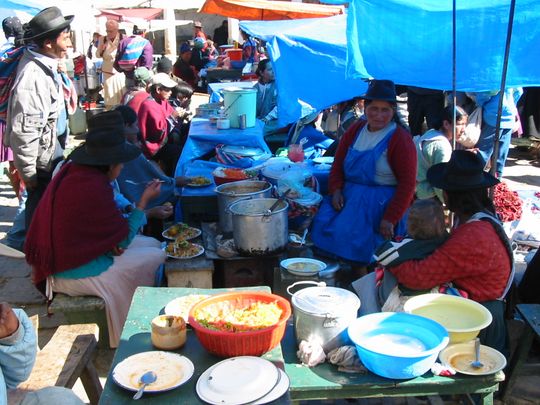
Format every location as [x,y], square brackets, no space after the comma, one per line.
[410,42]
[309,58]
[322,61]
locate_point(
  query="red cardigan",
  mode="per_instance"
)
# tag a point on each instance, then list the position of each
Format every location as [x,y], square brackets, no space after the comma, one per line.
[473,258]
[402,161]
[153,124]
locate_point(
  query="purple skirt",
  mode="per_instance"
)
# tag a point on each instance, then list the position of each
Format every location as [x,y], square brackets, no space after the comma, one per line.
[6,155]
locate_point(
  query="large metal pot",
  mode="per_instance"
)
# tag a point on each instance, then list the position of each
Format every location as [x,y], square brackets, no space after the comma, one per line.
[229,193]
[257,231]
[322,314]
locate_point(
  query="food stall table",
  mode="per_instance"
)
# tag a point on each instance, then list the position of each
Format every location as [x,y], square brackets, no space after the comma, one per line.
[147,303]
[320,382]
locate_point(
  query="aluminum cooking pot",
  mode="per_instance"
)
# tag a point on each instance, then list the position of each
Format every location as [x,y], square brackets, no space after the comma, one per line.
[322,314]
[256,230]
[229,193]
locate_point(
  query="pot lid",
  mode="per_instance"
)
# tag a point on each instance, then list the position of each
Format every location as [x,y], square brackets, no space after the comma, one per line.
[325,300]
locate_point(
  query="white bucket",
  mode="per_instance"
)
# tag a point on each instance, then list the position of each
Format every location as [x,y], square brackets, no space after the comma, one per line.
[240,101]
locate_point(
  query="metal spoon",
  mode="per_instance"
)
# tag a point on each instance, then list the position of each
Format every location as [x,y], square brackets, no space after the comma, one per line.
[147,378]
[477,363]
[304,237]
[138,183]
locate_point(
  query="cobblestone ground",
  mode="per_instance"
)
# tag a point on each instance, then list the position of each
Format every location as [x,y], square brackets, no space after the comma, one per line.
[15,287]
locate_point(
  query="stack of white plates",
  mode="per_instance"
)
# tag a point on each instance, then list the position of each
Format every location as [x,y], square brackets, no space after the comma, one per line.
[241,380]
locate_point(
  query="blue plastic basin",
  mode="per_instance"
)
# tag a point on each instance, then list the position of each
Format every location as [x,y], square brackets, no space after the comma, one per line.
[397,345]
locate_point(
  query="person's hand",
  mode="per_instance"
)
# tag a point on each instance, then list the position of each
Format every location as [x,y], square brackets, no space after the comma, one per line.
[337,200]
[151,191]
[160,212]
[182,181]
[117,251]
[386,229]
[9,323]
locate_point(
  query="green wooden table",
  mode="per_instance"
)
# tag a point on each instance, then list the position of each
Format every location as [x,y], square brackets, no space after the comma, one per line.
[147,303]
[321,382]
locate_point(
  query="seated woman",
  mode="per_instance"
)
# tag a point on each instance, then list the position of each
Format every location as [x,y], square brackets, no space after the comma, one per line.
[80,244]
[434,147]
[266,96]
[372,183]
[477,257]
[156,120]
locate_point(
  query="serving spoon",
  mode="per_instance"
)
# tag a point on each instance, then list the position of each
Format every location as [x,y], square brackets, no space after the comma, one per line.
[477,363]
[147,378]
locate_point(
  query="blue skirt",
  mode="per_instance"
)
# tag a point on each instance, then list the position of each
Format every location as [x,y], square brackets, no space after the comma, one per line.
[353,233]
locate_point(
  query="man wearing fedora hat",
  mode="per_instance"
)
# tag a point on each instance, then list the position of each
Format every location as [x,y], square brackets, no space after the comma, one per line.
[37,102]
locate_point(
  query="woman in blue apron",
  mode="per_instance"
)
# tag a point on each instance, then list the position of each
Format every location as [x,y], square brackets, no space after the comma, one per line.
[372,182]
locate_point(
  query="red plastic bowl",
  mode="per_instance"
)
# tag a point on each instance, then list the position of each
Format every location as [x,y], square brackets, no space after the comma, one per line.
[252,343]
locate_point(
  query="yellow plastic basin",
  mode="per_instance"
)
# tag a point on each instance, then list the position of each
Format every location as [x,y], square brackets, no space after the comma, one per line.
[463,318]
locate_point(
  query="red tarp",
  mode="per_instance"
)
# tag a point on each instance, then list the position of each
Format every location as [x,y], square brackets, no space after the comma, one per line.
[268,10]
[124,14]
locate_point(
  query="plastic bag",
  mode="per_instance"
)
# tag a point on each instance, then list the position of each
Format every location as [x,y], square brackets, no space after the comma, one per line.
[295,180]
[472,130]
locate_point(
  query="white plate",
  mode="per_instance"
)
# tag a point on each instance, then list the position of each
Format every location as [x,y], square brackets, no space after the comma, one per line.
[181,306]
[324,160]
[172,370]
[281,388]
[460,355]
[200,252]
[289,264]
[166,235]
[238,380]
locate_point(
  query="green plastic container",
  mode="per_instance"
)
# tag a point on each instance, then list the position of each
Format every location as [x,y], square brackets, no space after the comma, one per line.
[240,101]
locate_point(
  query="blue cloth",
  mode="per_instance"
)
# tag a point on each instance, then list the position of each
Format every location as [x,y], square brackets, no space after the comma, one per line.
[17,234]
[141,171]
[353,232]
[17,356]
[414,32]
[490,105]
[309,59]
[102,263]
[203,138]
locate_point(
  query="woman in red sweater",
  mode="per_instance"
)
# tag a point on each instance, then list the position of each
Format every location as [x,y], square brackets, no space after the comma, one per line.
[371,183]
[477,257]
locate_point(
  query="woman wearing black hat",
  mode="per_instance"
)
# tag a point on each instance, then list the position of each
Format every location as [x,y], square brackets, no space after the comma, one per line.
[80,244]
[371,183]
[477,258]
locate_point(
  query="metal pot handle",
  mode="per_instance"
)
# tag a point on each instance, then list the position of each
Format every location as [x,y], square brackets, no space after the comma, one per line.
[228,211]
[314,283]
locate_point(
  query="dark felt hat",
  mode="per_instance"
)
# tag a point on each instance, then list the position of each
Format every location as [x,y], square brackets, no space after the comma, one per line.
[46,21]
[12,26]
[105,142]
[464,171]
[164,65]
[384,90]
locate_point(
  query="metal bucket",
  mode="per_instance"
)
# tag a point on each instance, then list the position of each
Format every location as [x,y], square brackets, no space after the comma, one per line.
[322,314]
[229,193]
[258,232]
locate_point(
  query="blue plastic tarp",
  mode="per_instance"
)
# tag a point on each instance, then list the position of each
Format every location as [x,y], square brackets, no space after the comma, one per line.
[410,42]
[309,58]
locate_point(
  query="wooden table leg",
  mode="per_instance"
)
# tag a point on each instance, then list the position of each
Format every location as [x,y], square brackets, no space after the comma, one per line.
[92,385]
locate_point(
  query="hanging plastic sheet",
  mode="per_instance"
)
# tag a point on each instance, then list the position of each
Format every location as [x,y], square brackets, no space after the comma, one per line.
[410,42]
[309,58]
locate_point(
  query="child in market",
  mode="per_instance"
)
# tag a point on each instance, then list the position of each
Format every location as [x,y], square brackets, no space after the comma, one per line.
[426,231]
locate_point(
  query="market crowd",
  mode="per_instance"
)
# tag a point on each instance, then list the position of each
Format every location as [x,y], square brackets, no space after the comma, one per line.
[390,177]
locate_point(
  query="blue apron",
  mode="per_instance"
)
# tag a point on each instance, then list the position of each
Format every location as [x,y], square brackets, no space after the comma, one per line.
[353,233]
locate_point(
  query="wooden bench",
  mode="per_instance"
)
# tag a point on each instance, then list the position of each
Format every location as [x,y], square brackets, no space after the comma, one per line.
[84,309]
[530,314]
[64,359]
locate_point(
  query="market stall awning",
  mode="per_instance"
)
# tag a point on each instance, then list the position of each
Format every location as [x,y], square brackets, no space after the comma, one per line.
[268,10]
[419,52]
[126,14]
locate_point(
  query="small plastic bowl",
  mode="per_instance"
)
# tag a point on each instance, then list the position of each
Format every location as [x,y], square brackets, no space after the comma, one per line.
[397,345]
[462,317]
